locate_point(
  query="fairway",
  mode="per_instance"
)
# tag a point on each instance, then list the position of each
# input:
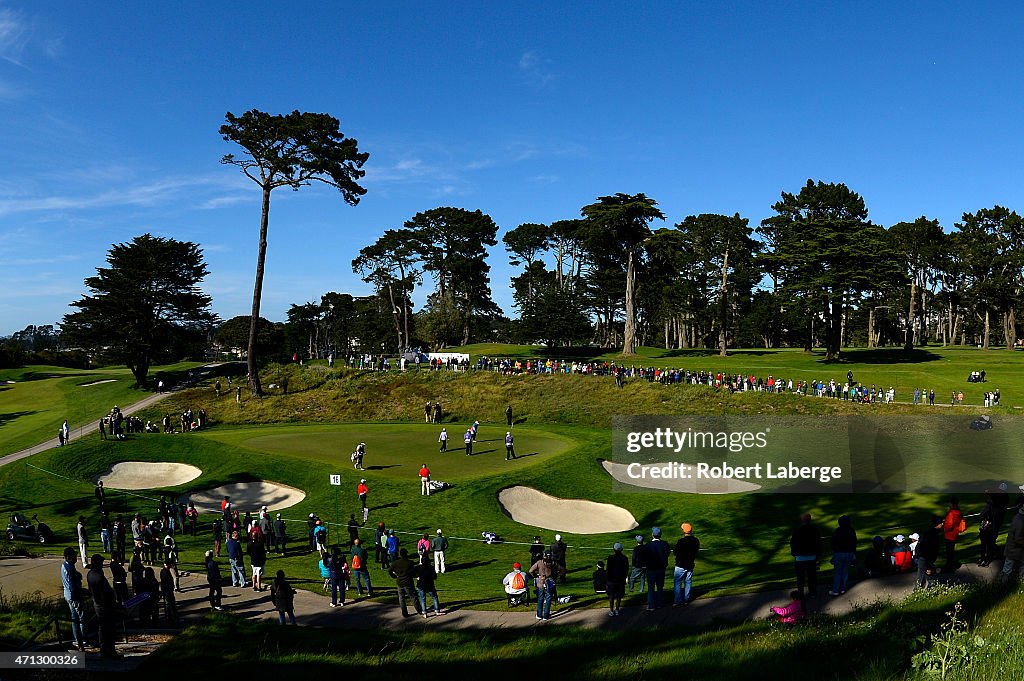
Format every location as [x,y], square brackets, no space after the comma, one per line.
[35,400]
[398,450]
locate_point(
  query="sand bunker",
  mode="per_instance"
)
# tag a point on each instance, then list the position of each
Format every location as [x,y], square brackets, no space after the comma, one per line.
[249,496]
[145,475]
[532,507]
[688,485]
[106,380]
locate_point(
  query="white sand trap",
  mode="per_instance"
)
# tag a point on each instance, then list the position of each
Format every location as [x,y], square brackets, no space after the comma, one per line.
[106,380]
[249,496]
[688,485]
[145,475]
[532,507]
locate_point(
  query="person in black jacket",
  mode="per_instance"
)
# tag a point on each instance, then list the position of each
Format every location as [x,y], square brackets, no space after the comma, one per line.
[927,552]
[805,547]
[426,585]
[844,554]
[167,587]
[558,551]
[402,572]
[536,550]
[213,579]
[105,604]
[616,574]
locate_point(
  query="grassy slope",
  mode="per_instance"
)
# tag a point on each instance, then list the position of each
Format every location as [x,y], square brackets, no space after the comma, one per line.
[941,369]
[34,407]
[874,643]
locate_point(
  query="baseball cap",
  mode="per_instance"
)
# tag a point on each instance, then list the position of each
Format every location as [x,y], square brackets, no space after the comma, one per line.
[312,515]
[686,527]
[439,530]
[915,536]
[639,538]
[362,479]
[278,515]
[617,546]
[516,565]
[558,537]
[1002,487]
[899,538]
[656,531]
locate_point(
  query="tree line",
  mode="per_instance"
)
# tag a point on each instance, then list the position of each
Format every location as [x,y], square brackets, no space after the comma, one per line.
[816,273]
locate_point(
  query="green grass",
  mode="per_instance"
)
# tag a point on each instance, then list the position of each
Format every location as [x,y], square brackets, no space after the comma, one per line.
[42,397]
[746,537]
[22,614]
[941,369]
[873,643]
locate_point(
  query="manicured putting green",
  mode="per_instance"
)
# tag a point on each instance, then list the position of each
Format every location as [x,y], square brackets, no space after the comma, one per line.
[398,450]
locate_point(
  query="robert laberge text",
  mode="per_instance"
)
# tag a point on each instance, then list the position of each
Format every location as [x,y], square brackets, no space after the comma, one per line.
[726,471]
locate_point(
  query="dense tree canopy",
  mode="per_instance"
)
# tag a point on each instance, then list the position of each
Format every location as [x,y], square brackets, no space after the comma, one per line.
[144,304]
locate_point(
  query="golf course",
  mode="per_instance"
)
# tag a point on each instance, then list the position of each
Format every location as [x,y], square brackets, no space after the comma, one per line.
[564,446]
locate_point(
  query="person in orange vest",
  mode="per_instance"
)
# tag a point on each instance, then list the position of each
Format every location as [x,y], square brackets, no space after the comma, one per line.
[424,481]
[952,527]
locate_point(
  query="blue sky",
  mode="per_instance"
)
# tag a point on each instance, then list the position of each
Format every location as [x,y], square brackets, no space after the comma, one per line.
[527,111]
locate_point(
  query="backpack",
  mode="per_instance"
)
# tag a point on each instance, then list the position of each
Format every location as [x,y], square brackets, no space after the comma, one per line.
[962,527]
[518,581]
[357,563]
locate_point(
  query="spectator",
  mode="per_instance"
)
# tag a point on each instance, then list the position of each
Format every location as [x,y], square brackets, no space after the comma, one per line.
[71,579]
[805,547]
[656,557]
[952,526]
[686,556]
[402,572]
[426,586]
[282,595]
[844,554]
[616,575]
[638,571]
[105,605]
[794,612]
[545,571]
[928,552]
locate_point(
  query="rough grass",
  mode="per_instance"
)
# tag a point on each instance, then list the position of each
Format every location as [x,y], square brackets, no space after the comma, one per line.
[875,642]
[22,614]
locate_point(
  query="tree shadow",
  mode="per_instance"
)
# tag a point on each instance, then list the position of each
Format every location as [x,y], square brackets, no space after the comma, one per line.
[884,356]
[6,418]
[381,468]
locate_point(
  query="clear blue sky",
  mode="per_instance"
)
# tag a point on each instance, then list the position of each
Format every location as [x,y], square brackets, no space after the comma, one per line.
[527,111]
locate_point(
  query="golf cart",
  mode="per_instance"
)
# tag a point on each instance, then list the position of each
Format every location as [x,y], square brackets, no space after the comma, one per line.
[21,527]
[982,423]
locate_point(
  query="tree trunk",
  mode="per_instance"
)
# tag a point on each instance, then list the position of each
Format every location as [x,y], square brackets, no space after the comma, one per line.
[395,317]
[723,340]
[984,343]
[1010,328]
[629,330]
[140,370]
[257,295]
[908,343]
[833,327]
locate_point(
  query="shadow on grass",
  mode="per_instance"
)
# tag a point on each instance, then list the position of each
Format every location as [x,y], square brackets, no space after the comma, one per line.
[878,637]
[884,356]
[13,416]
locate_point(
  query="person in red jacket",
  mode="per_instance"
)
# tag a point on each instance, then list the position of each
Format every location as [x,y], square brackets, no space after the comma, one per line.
[424,481]
[361,491]
[952,527]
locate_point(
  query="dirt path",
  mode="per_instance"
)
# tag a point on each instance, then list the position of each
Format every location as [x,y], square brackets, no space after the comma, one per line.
[312,608]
